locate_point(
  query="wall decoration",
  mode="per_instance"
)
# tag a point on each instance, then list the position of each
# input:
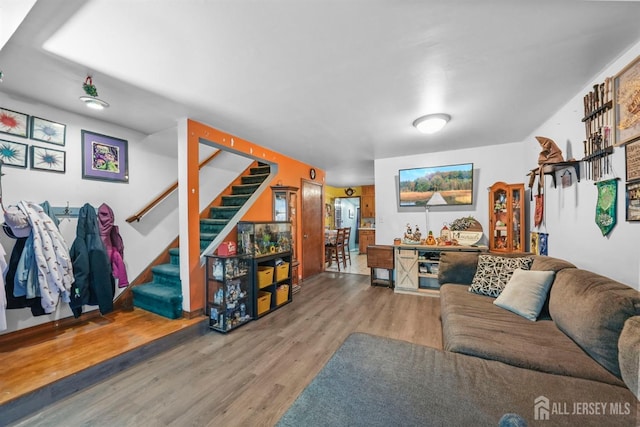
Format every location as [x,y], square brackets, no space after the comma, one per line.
[48,131]
[48,159]
[633,201]
[626,85]
[104,157]
[632,160]
[13,123]
[13,153]
[606,212]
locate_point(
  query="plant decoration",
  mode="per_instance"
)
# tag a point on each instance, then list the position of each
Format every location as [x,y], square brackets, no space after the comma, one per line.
[89,87]
[462,224]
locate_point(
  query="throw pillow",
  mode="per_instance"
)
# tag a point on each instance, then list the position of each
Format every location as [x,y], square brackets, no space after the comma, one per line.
[526,292]
[494,272]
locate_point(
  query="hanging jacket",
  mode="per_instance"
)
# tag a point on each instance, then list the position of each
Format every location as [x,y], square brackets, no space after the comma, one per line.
[46,259]
[110,235]
[94,284]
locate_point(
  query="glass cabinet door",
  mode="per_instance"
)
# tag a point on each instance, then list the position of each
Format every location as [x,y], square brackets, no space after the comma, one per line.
[280,206]
[516,197]
[500,217]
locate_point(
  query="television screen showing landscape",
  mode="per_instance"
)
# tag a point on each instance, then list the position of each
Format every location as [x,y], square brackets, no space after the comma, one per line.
[437,185]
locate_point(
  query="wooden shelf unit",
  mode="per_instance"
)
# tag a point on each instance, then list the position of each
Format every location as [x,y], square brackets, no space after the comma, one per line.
[507,218]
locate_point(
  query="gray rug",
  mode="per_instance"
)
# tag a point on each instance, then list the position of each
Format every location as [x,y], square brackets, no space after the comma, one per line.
[375,381]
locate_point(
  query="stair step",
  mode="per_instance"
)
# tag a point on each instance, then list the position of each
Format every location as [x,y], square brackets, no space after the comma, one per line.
[260,170]
[254,179]
[167,274]
[223,212]
[158,298]
[244,189]
[174,256]
[210,225]
[235,200]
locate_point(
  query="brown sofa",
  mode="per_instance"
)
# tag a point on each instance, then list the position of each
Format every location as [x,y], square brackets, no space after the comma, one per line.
[589,327]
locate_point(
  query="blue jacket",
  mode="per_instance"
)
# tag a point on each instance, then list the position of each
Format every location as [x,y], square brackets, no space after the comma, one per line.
[94,284]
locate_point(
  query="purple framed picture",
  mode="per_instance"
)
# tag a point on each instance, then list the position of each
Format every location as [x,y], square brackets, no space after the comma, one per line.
[104,157]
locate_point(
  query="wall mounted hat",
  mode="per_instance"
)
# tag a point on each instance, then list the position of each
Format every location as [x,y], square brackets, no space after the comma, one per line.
[17,222]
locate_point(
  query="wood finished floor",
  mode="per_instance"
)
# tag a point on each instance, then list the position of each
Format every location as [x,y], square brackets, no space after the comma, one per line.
[252,375]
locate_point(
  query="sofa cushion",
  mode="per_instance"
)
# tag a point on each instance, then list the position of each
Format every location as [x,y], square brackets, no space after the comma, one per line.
[629,354]
[457,267]
[494,272]
[526,292]
[592,309]
[473,325]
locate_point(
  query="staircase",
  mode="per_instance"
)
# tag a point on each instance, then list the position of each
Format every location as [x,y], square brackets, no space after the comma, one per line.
[163,295]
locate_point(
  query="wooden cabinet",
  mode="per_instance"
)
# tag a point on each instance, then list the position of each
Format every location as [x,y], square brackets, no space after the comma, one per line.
[285,201]
[417,266]
[366,237]
[368,202]
[507,218]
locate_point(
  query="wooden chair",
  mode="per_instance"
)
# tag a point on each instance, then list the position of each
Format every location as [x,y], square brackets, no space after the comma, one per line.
[336,252]
[346,253]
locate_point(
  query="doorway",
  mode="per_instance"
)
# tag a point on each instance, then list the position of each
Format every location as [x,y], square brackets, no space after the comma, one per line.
[347,214]
[312,228]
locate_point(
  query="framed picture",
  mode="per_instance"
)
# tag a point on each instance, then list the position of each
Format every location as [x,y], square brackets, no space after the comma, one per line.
[47,131]
[48,159]
[13,153]
[632,160]
[626,94]
[633,201]
[13,123]
[104,157]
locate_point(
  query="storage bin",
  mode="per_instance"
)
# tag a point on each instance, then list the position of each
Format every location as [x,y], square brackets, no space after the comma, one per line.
[264,302]
[282,294]
[265,276]
[282,271]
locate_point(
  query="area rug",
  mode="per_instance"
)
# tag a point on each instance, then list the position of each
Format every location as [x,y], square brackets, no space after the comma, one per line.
[376,381]
[373,381]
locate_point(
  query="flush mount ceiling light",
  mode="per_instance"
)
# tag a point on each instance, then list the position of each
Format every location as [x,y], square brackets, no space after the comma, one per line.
[91,99]
[431,123]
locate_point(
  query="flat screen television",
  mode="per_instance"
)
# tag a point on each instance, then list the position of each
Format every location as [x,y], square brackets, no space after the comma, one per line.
[450,185]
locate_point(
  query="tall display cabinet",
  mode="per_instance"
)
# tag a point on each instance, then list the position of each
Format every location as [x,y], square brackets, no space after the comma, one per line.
[507,218]
[285,201]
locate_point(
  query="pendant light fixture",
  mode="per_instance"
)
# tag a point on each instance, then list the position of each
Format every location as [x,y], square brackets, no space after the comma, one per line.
[431,123]
[91,99]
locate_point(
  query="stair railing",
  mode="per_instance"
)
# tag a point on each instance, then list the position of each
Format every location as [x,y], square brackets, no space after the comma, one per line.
[171,189]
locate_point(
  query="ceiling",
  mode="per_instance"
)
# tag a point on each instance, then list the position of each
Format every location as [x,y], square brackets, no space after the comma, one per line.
[333,83]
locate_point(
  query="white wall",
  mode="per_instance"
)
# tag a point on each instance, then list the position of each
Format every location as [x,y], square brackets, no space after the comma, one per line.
[503,162]
[570,212]
[152,168]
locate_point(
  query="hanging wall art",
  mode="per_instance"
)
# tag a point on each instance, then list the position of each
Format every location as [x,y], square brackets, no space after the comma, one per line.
[48,131]
[104,157]
[13,153]
[47,159]
[626,85]
[13,123]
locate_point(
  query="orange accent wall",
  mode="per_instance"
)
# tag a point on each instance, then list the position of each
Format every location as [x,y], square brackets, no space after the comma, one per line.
[290,173]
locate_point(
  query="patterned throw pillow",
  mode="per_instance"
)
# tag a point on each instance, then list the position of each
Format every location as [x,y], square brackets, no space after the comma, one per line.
[493,273]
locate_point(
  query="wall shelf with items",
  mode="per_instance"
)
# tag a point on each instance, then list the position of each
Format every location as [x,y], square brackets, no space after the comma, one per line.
[229,289]
[272,283]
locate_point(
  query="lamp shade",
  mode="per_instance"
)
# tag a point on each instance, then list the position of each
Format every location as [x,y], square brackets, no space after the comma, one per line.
[431,123]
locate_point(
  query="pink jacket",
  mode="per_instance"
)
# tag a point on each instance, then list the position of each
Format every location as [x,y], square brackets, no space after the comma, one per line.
[112,240]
